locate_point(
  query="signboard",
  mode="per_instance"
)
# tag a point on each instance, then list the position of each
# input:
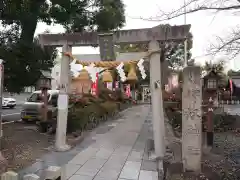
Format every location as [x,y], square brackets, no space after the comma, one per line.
[106,47]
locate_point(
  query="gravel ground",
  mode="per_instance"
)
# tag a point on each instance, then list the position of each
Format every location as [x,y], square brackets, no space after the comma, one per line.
[22,144]
[225,155]
[224,158]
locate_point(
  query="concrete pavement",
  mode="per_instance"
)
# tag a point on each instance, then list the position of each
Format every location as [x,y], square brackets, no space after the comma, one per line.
[113,151]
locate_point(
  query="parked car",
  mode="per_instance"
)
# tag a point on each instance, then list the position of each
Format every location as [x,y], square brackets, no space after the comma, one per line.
[8,102]
[32,108]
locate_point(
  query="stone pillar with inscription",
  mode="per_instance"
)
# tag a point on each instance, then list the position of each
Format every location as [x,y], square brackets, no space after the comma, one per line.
[192,119]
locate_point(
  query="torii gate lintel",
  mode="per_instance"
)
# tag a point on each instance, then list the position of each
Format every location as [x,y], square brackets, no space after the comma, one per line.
[160,33]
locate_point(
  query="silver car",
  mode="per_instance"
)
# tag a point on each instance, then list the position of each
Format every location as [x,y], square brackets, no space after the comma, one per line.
[32,108]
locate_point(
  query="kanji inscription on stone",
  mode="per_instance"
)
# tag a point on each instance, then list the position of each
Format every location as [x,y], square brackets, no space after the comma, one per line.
[192,118]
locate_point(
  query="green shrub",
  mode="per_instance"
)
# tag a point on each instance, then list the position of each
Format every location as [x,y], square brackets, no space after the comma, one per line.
[77,119]
[86,111]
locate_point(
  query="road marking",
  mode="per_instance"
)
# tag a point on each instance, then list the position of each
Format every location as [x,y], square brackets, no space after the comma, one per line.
[4,115]
[10,122]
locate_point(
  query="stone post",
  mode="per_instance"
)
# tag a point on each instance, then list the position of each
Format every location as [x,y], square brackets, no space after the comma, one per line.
[157,102]
[192,119]
[63,102]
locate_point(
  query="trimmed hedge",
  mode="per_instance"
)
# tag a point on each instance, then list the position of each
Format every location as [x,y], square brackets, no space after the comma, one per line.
[87,111]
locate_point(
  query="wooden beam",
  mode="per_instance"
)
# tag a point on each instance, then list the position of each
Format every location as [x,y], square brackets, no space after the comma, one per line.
[160,33]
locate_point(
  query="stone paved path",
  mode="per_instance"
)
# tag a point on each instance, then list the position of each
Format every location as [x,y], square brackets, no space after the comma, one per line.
[117,154]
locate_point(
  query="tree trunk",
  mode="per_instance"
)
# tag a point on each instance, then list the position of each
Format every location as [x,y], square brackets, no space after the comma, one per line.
[28,30]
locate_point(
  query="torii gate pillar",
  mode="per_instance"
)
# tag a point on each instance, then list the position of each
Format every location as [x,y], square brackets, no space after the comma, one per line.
[63,98]
[157,102]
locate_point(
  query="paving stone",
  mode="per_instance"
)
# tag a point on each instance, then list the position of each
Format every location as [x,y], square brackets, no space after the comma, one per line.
[71,169]
[148,165]
[115,163]
[84,156]
[80,177]
[104,153]
[91,167]
[131,170]
[148,175]
[135,156]
[109,173]
[104,178]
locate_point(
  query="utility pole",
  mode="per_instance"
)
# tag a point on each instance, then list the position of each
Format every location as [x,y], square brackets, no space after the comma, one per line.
[2,159]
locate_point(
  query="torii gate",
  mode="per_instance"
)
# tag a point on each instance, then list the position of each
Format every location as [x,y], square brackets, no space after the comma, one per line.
[153,36]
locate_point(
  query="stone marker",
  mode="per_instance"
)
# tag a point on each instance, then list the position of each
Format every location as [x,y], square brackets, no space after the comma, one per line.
[191,119]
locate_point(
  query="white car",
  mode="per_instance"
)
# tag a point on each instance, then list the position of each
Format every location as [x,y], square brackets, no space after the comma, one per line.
[8,102]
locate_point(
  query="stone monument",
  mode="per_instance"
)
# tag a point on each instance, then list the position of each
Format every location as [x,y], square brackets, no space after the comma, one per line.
[192,119]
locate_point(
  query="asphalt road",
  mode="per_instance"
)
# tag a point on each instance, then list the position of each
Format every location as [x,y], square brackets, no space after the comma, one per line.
[10,115]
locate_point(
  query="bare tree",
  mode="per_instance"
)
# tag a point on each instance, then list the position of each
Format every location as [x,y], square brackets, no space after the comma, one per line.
[230,45]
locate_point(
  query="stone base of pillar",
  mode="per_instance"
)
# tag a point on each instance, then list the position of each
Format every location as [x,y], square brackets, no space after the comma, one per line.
[62,148]
[3,164]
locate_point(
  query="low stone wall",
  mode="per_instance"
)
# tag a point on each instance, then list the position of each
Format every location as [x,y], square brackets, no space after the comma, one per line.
[51,173]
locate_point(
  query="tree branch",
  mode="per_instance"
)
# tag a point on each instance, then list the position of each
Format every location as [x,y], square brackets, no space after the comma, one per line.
[211,6]
[229,45]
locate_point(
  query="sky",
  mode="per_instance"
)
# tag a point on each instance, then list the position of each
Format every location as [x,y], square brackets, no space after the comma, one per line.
[205,26]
